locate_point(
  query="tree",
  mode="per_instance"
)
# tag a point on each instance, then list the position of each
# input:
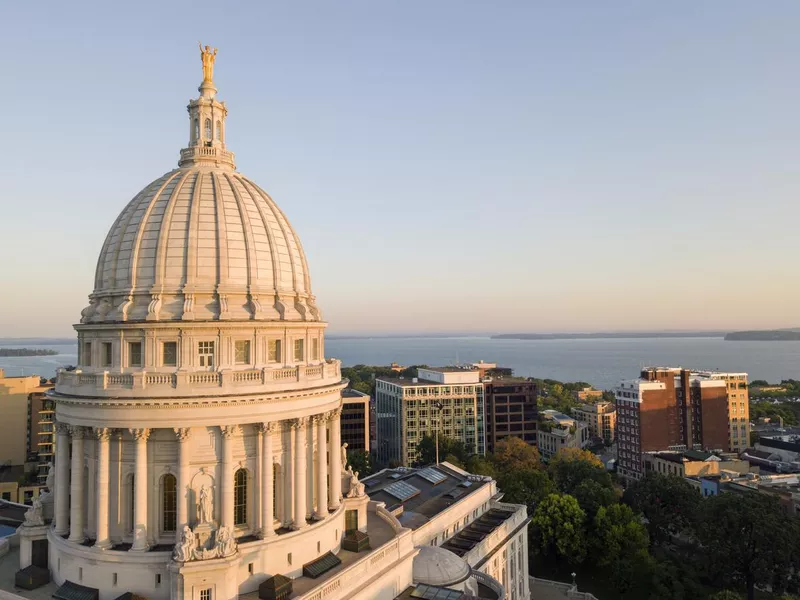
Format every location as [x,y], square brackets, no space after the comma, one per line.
[558,525]
[747,540]
[620,543]
[572,466]
[361,462]
[668,503]
[480,466]
[525,486]
[513,454]
[592,495]
[725,595]
[447,447]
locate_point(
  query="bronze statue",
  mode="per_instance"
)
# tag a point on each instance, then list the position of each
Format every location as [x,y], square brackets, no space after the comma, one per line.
[208,56]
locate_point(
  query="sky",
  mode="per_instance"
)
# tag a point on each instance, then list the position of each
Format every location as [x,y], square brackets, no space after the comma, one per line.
[450,166]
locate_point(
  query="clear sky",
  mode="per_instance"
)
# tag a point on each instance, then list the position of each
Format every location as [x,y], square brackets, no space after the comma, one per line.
[450,165]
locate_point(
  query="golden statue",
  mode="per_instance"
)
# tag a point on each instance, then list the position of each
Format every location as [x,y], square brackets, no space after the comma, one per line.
[208,56]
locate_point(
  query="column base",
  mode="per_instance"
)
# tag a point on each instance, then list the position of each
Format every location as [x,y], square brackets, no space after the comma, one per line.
[103,545]
[145,549]
[77,540]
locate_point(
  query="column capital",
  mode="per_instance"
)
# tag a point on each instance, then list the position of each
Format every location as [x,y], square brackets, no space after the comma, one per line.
[320,419]
[62,428]
[228,431]
[182,433]
[102,434]
[335,413]
[140,434]
[77,432]
[299,423]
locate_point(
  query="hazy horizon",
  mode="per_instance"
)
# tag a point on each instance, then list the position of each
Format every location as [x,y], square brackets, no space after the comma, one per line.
[451,166]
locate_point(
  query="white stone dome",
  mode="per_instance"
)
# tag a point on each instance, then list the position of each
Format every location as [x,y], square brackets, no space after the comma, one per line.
[202,242]
[439,567]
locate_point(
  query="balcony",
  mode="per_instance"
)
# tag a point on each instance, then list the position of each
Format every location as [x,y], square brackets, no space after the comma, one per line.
[198,383]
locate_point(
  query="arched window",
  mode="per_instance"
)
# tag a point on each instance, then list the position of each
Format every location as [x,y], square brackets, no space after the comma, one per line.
[196,130]
[169,503]
[240,497]
[208,129]
[276,478]
[131,503]
[219,131]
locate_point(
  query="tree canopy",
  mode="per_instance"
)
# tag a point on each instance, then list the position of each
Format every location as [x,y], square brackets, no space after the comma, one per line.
[668,503]
[572,466]
[514,454]
[558,525]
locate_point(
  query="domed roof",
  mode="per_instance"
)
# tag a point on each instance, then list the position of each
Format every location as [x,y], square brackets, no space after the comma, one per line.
[440,567]
[202,242]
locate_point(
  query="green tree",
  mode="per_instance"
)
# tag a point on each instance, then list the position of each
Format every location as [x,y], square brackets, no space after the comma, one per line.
[361,462]
[572,466]
[558,525]
[620,543]
[525,486]
[669,504]
[592,495]
[725,595]
[447,447]
[480,466]
[514,454]
[747,540]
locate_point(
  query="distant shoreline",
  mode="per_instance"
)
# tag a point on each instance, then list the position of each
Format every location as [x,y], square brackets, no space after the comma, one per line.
[13,352]
[606,336]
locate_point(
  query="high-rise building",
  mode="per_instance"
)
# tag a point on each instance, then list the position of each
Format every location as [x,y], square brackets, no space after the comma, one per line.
[447,399]
[738,408]
[355,420]
[21,400]
[601,418]
[511,410]
[668,409]
[198,452]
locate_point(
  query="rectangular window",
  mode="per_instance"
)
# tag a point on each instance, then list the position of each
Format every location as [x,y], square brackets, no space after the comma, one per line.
[86,359]
[134,354]
[242,352]
[299,350]
[315,349]
[205,353]
[169,354]
[205,594]
[106,354]
[274,353]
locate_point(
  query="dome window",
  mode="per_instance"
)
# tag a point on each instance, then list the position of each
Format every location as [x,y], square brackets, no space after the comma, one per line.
[219,131]
[208,129]
[242,351]
[205,354]
[240,497]
[196,130]
[169,503]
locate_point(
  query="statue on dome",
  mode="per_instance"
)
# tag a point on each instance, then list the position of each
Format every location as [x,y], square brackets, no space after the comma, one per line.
[185,546]
[205,510]
[33,516]
[208,56]
[51,477]
[357,489]
[225,545]
[344,457]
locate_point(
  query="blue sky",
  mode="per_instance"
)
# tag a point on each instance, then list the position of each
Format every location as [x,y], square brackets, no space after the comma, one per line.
[449,165]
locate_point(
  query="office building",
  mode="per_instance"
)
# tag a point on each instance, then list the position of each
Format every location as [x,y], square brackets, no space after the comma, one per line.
[21,400]
[738,408]
[558,431]
[511,410]
[668,409]
[450,399]
[355,420]
[601,418]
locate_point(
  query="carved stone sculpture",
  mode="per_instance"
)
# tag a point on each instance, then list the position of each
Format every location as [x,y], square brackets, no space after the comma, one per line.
[184,549]
[225,544]
[33,516]
[344,456]
[205,507]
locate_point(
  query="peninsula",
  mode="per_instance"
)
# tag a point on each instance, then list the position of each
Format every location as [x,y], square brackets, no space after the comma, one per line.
[27,352]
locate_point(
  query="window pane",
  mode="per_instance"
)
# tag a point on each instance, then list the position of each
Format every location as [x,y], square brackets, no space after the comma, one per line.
[169,502]
[240,498]
[170,354]
[242,352]
[298,350]
[208,129]
[135,354]
[106,354]
[315,349]
[205,351]
[274,351]
[86,359]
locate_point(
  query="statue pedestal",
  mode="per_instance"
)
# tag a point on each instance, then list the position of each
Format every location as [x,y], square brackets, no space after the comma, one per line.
[48,504]
[204,534]
[30,536]
[358,504]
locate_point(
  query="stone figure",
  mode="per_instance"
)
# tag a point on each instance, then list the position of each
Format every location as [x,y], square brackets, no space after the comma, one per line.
[33,516]
[357,489]
[205,512]
[208,56]
[51,477]
[185,547]
[225,545]
[344,456]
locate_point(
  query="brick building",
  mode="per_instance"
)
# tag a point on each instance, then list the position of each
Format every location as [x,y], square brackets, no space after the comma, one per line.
[510,410]
[669,409]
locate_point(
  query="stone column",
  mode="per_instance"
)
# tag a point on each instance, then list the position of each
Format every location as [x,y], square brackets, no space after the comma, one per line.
[102,449]
[227,475]
[299,457]
[62,479]
[321,508]
[140,485]
[267,482]
[336,466]
[76,507]
[182,484]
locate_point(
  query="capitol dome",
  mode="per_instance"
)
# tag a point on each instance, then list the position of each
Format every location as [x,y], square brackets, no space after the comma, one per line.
[202,242]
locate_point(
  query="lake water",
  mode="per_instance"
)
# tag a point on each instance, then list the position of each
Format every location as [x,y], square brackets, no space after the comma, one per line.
[601,362]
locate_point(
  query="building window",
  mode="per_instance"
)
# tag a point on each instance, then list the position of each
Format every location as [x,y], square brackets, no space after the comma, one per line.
[299,350]
[205,594]
[315,349]
[219,131]
[240,497]
[208,129]
[196,129]
[134,354]
[169,354]
[131,503]
[86,359]
[169,502]
[106,358]
[274,354]
[242,352]
[205,352]
[276,477]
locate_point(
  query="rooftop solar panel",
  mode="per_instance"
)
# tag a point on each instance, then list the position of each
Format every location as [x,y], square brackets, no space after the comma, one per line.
[401,490]
[432,475]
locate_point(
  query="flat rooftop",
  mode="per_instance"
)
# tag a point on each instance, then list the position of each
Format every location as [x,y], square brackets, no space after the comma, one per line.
[421,498]
[351,393]
[452,369]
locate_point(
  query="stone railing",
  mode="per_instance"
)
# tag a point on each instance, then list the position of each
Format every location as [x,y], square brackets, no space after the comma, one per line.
[380,510]
[197,383]
[569,590]
[491,583]
[205,153]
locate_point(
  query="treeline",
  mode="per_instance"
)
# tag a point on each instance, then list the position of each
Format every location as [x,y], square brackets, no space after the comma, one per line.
[27,352]
[660,540]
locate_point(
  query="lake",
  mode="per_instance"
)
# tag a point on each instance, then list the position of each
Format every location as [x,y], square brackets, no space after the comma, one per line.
[600,362]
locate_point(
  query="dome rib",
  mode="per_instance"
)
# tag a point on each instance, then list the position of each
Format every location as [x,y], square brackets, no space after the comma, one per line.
[164,233]
[249,249]
[222,233]
[269,233]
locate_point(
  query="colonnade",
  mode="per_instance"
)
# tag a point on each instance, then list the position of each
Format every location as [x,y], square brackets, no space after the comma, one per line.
[70,512]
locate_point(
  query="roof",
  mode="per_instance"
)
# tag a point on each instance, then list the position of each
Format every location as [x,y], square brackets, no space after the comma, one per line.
[469,537]
[351,393]
[404,382]
[440,567]
[11,473]
[429,498]
[452,369]
[75,591]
